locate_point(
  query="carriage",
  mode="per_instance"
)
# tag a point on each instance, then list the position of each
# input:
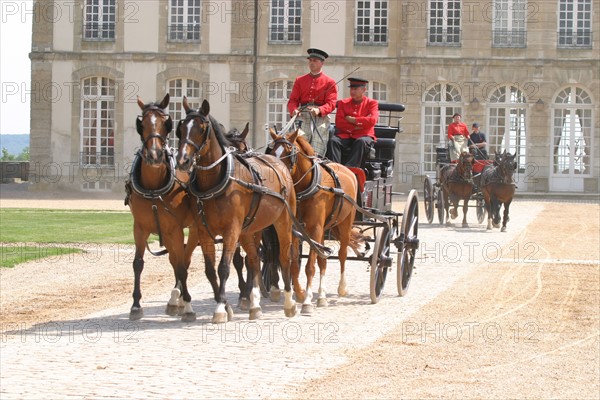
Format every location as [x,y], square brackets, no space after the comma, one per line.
[433,198]
[391,236]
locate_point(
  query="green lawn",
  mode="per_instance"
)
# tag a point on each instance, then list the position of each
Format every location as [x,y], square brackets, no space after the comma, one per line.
[29,234]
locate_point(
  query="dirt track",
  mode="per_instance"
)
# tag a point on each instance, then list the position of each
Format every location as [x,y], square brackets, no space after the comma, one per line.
[526,325]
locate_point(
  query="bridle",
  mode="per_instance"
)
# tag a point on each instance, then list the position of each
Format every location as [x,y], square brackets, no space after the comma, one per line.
[205,128]
[293,156]
[168,126]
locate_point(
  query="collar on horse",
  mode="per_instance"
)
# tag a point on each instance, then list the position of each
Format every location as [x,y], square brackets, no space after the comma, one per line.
[135,177]
[218,189]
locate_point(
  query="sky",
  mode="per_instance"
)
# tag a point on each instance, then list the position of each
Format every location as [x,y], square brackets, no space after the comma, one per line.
[15,66]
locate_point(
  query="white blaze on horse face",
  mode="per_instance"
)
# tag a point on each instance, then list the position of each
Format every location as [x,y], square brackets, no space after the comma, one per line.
[153,121]
[279,151]
[189,127]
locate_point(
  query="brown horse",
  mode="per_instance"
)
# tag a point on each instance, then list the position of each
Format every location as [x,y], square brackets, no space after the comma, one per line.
[159,205]
[320,190]
[498,188]
[457,183]
[237,198]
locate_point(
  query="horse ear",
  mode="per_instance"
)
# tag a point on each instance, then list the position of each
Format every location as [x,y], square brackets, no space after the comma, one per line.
[245,131]
[140,103]
[205,108]
[292,138]
[169,124]
[165,101]
[138,125]
[272,133]
[186,105]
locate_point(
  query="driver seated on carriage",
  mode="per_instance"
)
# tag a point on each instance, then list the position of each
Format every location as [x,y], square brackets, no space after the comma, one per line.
[354,126]
[458,136]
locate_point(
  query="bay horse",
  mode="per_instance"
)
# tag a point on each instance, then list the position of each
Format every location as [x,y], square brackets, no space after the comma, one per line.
[237,198]
[456,180]
[498,188]
[160,205]
[321,188]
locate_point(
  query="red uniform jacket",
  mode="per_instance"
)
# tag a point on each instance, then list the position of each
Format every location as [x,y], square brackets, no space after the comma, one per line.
[366,113]
[459,128]
[320,90]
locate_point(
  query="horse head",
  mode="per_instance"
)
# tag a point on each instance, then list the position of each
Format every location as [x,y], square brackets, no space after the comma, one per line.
[465,166]
[238,140]
[507,165]
[193,134]
[285,148]
[154,126]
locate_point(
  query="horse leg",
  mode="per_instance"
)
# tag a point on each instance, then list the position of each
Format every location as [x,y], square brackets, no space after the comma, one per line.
[316,232]
[322,292]
[180,258]
[271,255]
[295,270]
[250,244]
[238,264]
[223,312]
[141,238]
[496,206]
[465,209]
[288,256]
[506,218]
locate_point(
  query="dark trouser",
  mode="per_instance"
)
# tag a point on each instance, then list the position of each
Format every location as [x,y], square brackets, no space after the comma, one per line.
[358,148]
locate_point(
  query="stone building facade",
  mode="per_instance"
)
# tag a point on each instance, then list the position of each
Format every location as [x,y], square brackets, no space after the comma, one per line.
[527,71]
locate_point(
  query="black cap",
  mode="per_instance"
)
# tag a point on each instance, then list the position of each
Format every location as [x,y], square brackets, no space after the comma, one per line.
[475,125]
[357,82]
[456,114]
[316,53]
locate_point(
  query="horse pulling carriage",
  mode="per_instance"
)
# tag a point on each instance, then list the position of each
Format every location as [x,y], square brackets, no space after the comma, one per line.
[236,196]
[454,181]
[488,182]
[386,233]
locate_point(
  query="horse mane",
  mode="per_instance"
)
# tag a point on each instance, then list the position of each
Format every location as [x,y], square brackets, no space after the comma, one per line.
[305,146]
[218,129]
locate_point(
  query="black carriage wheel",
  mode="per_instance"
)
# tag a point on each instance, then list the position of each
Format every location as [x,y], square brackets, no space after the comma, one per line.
[428,199]
[409,231]
[380,262]
[480,208]
[440,206]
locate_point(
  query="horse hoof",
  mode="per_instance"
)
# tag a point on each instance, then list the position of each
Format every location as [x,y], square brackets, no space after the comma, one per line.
[342,292]
[188,317]
[290,312]
[503,229]
[307,309]
[255,313]
[275,295]
[465,225]
[322,302]
[172,310]
[219,318]
[136,314]
[244,304]
[496,225]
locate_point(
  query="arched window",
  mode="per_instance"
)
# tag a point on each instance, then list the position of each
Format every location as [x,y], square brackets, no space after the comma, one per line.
[178,88]
[572,134]
[506,128]
[440,102]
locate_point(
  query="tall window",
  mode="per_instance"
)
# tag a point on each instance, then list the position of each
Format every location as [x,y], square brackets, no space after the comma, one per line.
[575,23]
[444,23]
[572,126]
[371,22]
[177,89]
[278,95]
[377,91]
[184,21]
[509,28]
[286,21]
[98,122]
[99,20]
[440,103]
[507,123]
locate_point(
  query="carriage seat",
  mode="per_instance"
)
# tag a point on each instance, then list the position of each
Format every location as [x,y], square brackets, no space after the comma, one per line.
[442,155]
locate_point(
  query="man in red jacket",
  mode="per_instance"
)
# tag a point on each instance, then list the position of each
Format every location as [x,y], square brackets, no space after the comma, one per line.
[458,135]
[313,97]
[354,125]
